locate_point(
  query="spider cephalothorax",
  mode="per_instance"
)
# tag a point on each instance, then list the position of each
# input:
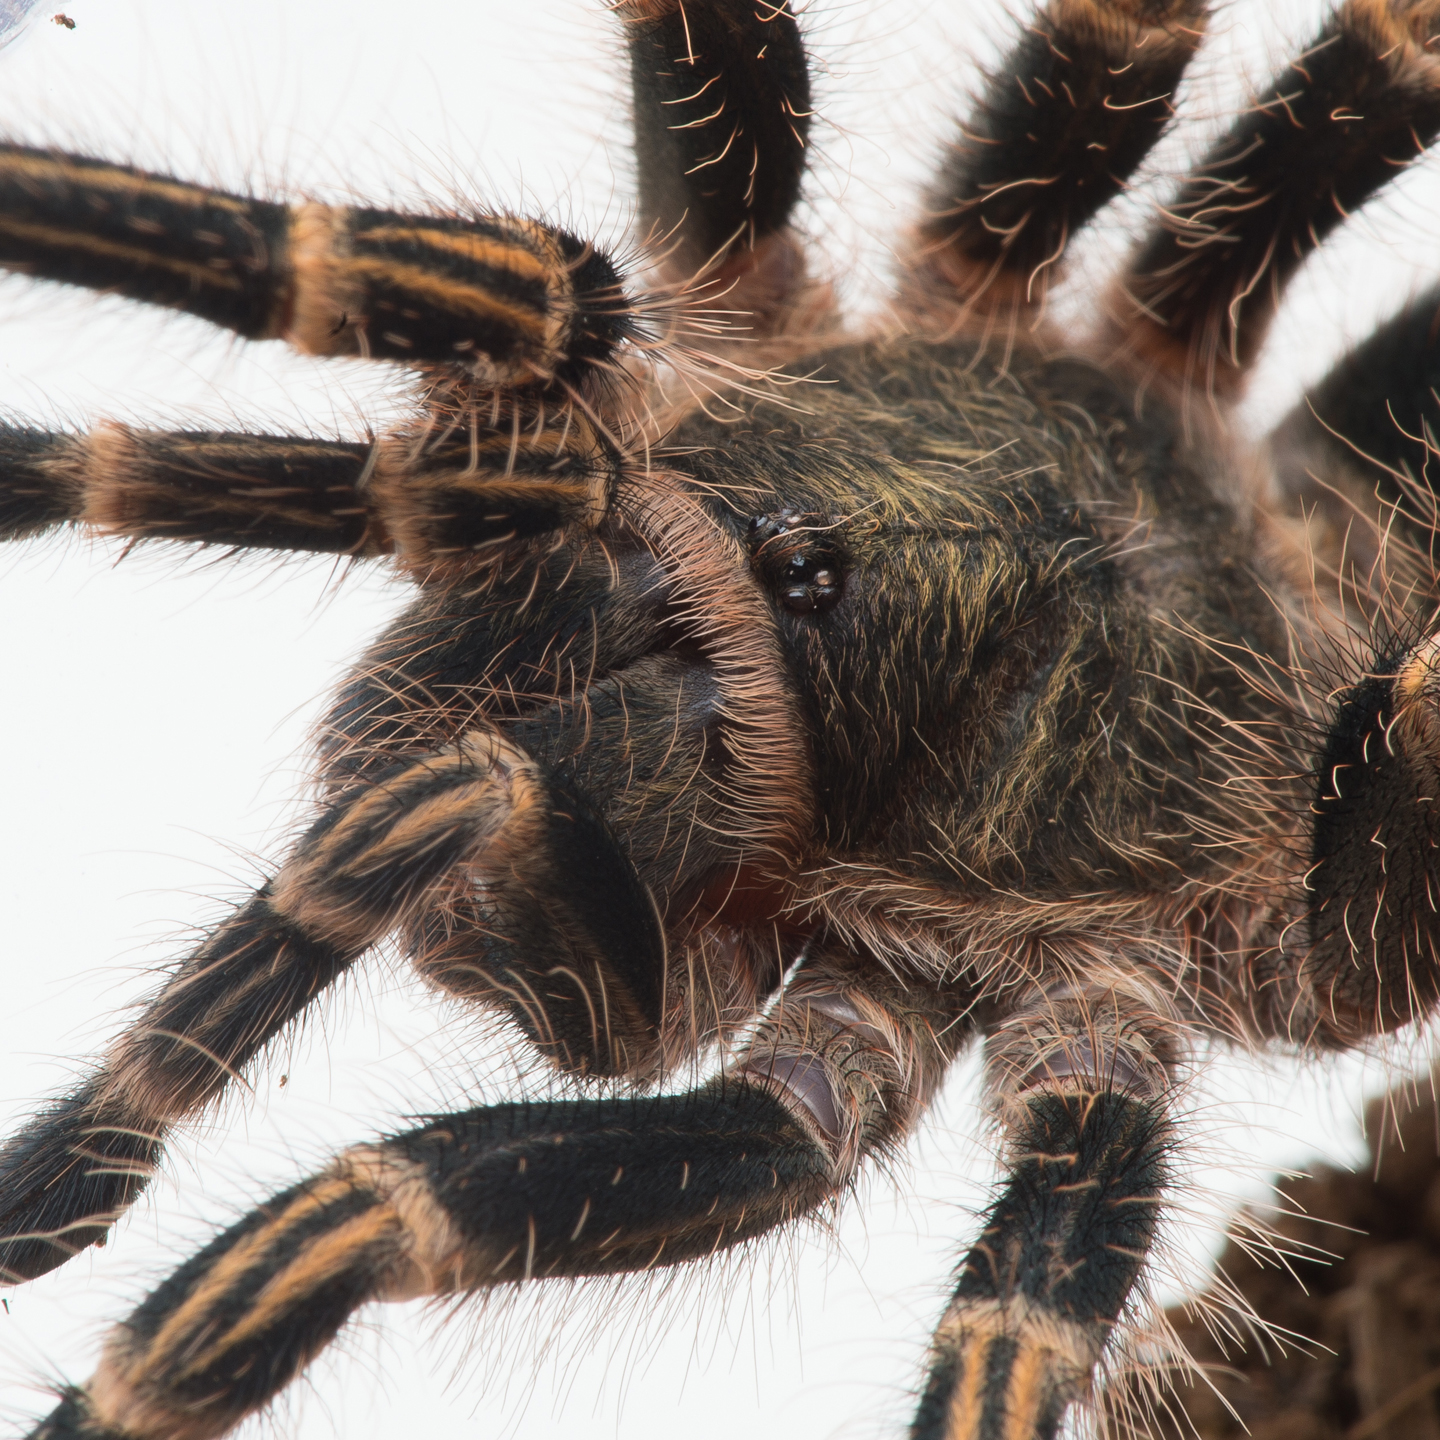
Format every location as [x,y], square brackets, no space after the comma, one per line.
[953,680]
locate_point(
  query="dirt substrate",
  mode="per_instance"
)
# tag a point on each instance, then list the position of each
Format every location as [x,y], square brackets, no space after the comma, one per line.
[1368,1365]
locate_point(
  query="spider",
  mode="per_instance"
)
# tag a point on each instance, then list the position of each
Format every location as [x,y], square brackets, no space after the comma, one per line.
[956,680]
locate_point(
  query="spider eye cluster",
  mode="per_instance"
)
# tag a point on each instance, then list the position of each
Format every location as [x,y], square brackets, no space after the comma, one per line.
[798,557]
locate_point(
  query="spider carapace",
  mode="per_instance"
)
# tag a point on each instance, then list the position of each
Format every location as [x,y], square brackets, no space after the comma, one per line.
[817,702]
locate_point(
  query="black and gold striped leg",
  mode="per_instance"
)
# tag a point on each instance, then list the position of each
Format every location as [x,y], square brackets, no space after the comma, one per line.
[518,1192]
[1062,123]
[68,1175]
[465,1202]
[465,487]
[1361,102]
[722,115]
[269,492]
[1087,1138]
[481,480]
[515,301]
[363,869]
[1043,1288]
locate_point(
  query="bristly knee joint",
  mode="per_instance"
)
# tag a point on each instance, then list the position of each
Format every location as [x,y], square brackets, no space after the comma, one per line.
[1096,1038]
[852,1073]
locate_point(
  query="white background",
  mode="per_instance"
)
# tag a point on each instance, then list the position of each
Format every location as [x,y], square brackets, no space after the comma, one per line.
[154,712]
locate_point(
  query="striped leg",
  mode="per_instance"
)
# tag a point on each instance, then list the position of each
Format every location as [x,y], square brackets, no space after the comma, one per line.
[517,323]
[364,868]
[1041,1291]
[457,491]
[1062,123]
[1362,101]
[518,1192]
[722,114]
[511,299]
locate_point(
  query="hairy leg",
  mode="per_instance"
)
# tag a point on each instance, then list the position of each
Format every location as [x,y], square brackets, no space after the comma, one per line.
[518,1192]
[372,861]
[722,116]
[473,481]
[1347,946]
[1196,298]
[515,300]
[1070,112]
[1357,451]
[1083,1082]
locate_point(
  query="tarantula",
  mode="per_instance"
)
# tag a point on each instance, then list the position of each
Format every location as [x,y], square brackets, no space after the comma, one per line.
[961,679]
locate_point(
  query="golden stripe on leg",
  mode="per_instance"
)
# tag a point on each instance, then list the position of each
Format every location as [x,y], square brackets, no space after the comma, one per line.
[1045,1284]
[510,300]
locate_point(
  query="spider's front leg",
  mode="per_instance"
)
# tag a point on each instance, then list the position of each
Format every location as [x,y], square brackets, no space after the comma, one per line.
[374,859]
[514,324]
[518,327]
[527,1191]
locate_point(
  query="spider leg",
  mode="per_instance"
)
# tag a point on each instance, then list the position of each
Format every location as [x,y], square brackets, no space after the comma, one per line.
[722,115]
[459,488]
[516,301]
[1061,124]
[517,1192]
[1196,298]
[1083,1081]
[1359,444]
[1357,954]
[369,863]
[268,492]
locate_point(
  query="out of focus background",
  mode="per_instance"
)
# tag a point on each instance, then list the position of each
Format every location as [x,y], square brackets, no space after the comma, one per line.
[154,708]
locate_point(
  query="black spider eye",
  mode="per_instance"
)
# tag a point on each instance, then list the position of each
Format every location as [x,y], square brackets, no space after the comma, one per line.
[798,557]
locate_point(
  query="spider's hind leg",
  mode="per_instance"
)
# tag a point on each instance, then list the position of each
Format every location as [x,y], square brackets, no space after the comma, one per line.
[1196,298]
[1060,126]
[722,116]
[465,1202]
[1358,452]
[519,1192]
